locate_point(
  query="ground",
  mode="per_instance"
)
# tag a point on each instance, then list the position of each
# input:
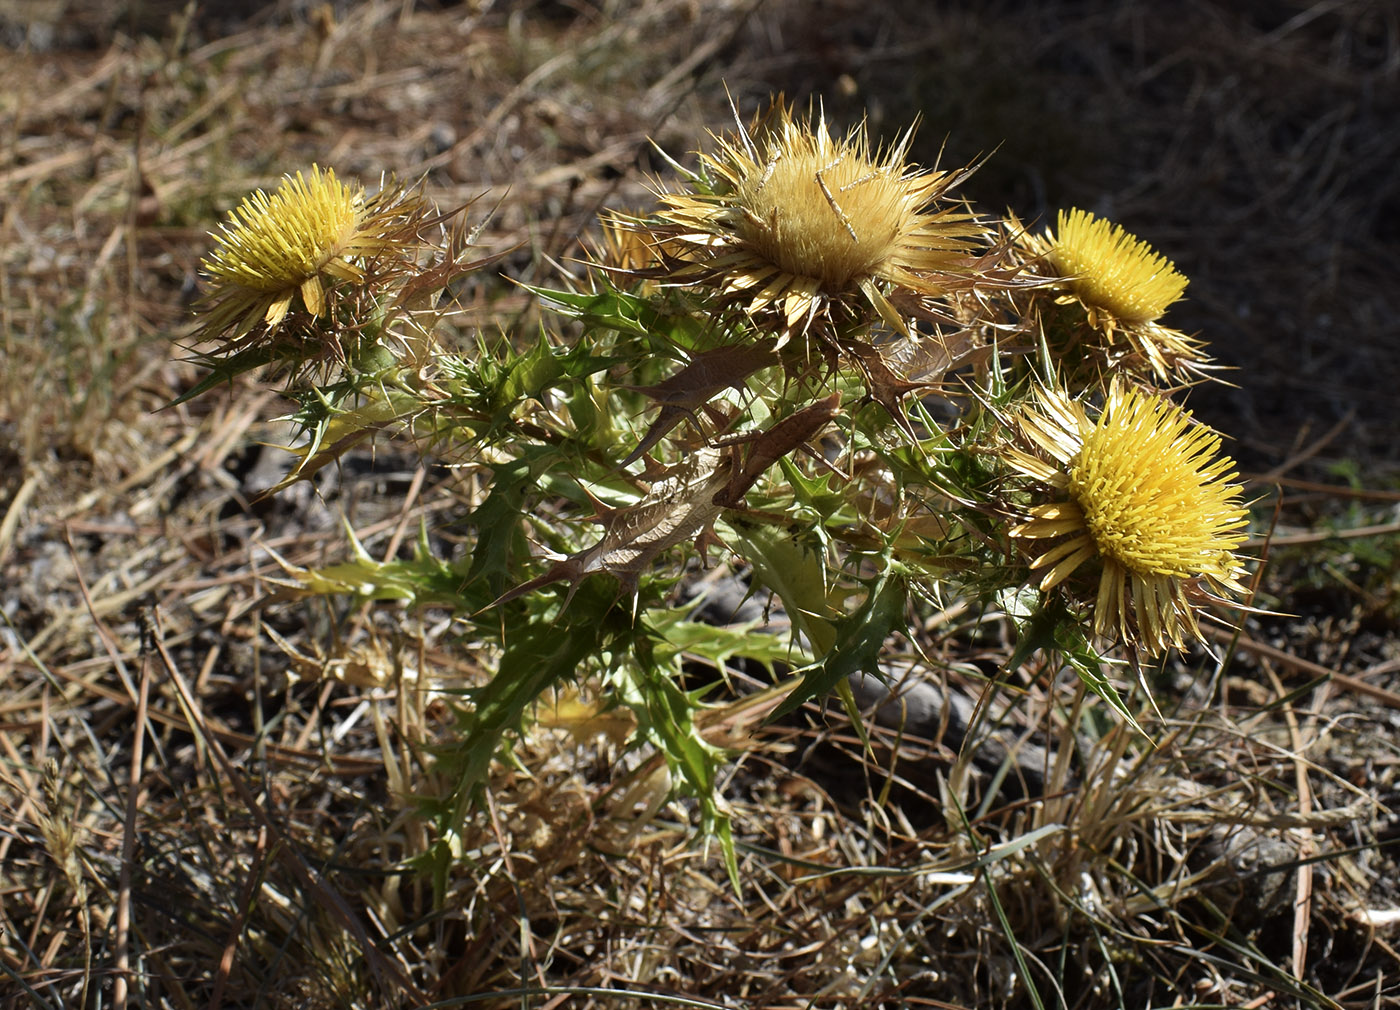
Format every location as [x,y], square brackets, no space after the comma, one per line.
[1252,142]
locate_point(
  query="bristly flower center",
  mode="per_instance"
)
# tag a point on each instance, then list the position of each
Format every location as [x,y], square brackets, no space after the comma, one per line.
[822,211]
[276,242]
[1111,269]
[1150,498]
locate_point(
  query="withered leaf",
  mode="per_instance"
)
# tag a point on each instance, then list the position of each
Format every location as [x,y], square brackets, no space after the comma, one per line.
[697,383]
[897,368]
[680,506]
[776,442]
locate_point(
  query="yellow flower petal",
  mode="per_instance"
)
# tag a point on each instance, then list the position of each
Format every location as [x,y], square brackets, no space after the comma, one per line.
[301,240]
[273,243]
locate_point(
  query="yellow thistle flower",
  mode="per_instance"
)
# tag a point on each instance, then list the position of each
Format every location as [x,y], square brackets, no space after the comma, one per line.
[1147,496]
[1112,270]
[1125,288]
[787,220]
[310,232]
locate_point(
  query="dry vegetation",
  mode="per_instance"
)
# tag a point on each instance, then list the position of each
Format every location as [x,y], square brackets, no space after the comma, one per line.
[209,786]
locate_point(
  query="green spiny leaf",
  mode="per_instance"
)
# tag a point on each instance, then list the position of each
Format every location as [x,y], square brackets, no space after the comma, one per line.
[666,717]
[498,520]
[787,566]
[423,580]
[527,375]
[224,370]
[540,653]
[719,645]
[859,639]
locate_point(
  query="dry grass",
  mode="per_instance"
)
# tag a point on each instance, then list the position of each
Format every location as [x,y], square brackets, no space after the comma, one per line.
[198,820]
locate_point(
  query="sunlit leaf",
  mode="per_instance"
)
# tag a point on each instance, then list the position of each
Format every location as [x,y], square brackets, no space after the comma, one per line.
[859,638]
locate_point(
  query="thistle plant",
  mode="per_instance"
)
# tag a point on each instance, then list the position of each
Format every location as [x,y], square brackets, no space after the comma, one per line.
[317,279]
[810,362]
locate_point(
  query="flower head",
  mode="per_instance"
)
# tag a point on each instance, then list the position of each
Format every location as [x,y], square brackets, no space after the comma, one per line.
[786,220]
[1146,497]
[1112,270]
[1123,288]
[313,231]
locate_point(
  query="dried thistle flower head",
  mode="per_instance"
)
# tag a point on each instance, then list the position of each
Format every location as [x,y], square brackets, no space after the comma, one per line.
[1147,497]
[787,220]
[622,247]
[1124,287]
